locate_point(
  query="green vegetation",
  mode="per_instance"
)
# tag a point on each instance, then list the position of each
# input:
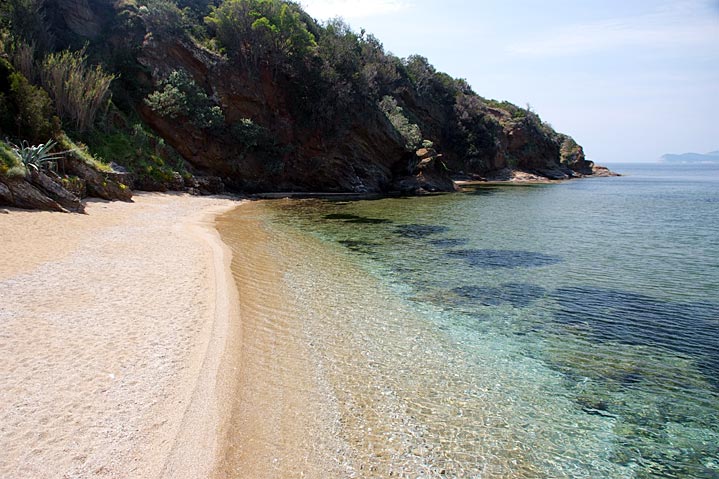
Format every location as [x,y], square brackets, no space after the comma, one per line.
[27,21]
[298,89]
[80,92]
[515,111]
[181,97]
[409,131]
[139,151]
[10,164]
[36,157]
[267,30]
[38,82]
[24,108]
[477,134]
[569,147]
[80,151]
[259,141]
[162,17]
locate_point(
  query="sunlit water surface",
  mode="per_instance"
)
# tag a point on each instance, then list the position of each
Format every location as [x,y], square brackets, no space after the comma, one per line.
[544,331]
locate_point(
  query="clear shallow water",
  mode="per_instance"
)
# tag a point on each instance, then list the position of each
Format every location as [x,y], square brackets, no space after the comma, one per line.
[566,330]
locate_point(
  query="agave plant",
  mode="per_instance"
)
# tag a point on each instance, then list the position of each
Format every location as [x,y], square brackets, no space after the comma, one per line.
[36,156]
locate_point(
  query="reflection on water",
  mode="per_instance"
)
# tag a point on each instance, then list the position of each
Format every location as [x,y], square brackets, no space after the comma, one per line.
[515,332]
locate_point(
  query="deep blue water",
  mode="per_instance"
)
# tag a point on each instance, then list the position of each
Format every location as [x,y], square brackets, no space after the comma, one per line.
[586,312]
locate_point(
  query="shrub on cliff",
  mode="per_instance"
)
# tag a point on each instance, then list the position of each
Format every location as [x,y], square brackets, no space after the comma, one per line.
[476,134]
[80,92]
[256,30]
[10,164]
[180,96]
[138,150]
[409,131]
[27,21]
[259,141]
[25,110]
[161,16]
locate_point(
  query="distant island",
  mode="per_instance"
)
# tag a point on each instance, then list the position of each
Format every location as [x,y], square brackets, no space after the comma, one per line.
[711,157]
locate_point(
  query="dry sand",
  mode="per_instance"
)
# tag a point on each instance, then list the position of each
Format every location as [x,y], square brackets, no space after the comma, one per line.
[115,328]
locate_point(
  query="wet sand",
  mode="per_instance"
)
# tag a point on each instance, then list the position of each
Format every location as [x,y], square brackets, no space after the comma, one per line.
[283,421]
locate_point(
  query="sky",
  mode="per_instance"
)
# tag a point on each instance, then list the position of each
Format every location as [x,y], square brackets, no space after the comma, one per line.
[629,80]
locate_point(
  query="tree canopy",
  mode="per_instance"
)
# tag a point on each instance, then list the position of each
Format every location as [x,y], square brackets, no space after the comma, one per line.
[261,29]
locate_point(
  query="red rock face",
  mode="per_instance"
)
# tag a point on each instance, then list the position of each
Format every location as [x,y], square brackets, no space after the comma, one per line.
[363,154]
[360,158]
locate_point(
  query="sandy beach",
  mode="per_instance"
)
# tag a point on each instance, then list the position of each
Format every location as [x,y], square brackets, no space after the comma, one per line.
[115,328]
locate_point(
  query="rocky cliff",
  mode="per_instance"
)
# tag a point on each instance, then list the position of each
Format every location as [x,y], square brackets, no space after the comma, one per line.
[264,114]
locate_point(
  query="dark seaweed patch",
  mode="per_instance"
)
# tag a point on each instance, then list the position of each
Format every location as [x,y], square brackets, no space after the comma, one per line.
[359,246]
[496,259]
[420,231]
[630,379]
[340,216]
[449,242]
[347,218]
[599,408]
[368,221]
[691,329]
[519,295]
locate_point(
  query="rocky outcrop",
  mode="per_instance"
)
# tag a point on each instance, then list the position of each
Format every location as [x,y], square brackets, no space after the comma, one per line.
[301,152]
[360,158]
[572,156]
[98,184]
[80,18]
[87,19]
[46,190]
[502,141]
[21,194]
[51,185]
[603,171]
[428,175]
[204,185]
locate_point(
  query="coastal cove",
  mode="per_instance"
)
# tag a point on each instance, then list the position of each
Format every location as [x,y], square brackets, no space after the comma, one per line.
[277,239]
[501,332]
[496,333]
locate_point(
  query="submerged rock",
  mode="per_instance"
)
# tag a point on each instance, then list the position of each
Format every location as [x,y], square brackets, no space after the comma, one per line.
[519,295]
[417,231]
[348,218]
[632,318]
[494,259]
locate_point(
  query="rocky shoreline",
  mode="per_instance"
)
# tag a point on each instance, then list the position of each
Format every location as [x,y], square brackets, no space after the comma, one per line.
[199,108]
[46,190]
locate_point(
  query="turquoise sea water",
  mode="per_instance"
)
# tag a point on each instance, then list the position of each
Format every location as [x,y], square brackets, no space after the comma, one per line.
[564,330]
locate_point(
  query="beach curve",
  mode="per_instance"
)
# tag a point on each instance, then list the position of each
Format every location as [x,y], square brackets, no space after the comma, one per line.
[115,339]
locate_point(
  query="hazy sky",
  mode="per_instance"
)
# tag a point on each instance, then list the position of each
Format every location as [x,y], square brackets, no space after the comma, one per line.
[629,80]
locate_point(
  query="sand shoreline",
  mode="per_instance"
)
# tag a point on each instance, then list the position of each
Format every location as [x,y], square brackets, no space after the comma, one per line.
[115,339]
